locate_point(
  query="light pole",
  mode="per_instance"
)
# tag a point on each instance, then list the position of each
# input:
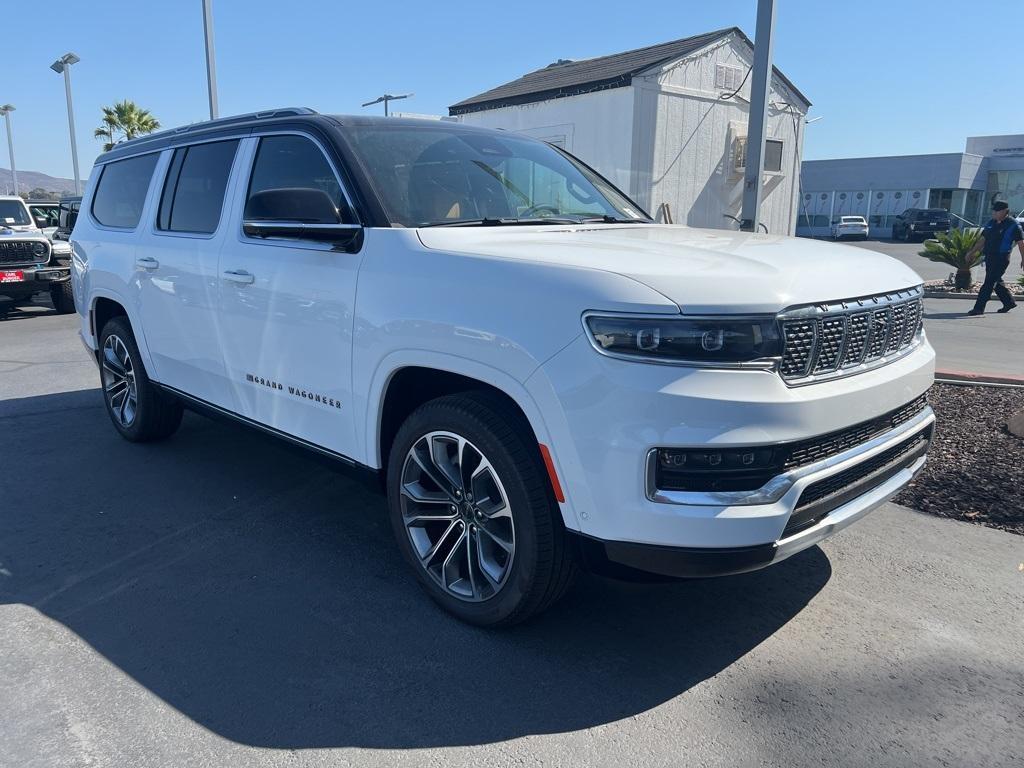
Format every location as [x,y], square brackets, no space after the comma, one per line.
[760,88]
[386,98]
[6,110]
[211,64]
[63,65]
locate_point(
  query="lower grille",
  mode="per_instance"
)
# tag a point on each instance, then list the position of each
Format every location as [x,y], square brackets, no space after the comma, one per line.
[745,468]
[820,498]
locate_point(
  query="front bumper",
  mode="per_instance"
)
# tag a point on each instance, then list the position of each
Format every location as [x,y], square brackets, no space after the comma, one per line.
[35,278]
[848,505]
[604,416]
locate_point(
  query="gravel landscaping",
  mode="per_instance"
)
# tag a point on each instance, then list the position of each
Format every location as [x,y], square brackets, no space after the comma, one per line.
[975,469]
[937,287]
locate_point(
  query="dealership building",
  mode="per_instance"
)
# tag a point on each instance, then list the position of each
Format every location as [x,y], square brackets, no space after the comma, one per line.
[964,183]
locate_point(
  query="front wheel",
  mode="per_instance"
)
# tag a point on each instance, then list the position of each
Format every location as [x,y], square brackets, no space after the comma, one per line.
[139,410]
[473,512]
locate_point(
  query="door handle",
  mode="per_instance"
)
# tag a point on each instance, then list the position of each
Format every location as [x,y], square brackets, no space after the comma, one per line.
[147,262]
[239,276]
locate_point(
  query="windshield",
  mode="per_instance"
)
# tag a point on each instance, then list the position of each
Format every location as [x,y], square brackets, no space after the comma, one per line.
[13,212]
[433,176]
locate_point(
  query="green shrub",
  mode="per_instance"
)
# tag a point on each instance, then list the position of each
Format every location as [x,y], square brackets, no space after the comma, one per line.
[952,248]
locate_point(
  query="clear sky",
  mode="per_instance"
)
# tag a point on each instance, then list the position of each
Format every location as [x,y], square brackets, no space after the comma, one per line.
[892,77]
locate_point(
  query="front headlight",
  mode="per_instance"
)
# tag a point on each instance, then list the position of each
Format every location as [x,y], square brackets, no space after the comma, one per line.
[705,341]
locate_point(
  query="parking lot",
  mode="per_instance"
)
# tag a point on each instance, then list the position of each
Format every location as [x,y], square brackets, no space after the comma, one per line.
[218,599]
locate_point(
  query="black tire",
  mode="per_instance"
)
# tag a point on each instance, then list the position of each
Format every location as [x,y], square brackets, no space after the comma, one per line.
[156,415]
[63,297]
[541,567]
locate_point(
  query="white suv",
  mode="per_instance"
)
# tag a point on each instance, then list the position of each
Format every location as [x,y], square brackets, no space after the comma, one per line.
[541,377]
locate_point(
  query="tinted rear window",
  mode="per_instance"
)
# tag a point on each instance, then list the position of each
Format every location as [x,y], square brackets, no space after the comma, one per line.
[121,191]
[194,190]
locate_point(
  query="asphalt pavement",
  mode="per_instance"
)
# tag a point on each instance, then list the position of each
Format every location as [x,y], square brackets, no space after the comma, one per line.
[221,600]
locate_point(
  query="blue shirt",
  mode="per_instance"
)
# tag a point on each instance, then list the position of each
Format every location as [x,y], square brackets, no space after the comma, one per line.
[1001,235]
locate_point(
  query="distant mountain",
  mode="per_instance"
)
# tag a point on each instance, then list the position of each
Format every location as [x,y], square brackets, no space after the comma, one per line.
[29,180]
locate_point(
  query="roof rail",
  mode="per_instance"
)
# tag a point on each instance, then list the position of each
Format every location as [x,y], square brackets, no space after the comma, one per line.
[218,123]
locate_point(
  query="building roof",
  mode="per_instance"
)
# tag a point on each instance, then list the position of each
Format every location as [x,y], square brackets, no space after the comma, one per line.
[569,78]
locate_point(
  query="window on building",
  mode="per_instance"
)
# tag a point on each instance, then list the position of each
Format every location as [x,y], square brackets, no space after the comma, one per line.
[121,191]
[772,155]
[194,189]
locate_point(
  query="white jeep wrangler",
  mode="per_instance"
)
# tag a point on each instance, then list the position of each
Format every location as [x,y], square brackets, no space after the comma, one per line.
[541,377]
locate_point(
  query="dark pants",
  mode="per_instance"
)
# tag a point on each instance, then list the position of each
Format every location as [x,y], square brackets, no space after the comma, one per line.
[995,267]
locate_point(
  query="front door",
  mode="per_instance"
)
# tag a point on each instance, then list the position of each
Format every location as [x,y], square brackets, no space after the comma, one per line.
[286,317]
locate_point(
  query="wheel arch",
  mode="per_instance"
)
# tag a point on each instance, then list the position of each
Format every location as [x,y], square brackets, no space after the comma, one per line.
[402,387]
[105,305]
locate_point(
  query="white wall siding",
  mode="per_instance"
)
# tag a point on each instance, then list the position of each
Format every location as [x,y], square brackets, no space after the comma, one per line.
[684,142]
[596,127]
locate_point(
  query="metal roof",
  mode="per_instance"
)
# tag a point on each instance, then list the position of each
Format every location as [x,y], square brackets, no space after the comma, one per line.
[614,71]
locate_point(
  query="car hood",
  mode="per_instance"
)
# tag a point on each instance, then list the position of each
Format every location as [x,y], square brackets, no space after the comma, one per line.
[700,270]
[21,231]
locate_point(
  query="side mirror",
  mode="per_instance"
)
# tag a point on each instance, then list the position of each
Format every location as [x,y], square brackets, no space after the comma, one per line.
[298,213]
[41,221]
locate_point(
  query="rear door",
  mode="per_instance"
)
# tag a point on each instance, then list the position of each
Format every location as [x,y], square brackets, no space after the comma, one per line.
[286,305]
[176,262]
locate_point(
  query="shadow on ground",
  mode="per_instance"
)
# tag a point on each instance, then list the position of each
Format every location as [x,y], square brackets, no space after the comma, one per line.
[260,594]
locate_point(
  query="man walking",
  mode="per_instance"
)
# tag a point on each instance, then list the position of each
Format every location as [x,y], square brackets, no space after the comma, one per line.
[997,239]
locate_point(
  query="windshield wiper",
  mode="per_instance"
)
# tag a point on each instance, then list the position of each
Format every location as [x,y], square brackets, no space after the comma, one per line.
[504,221]
[606,219]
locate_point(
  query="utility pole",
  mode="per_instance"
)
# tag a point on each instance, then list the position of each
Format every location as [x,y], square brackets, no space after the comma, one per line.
[6,110]
[760,89]
[63,65]
[211,63]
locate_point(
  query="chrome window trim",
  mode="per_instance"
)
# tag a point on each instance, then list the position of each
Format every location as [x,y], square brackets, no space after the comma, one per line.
[780,485]
[848,308]
[761,364]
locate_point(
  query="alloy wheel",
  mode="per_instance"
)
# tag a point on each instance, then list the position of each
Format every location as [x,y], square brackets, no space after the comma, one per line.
[118,376]
[457,515]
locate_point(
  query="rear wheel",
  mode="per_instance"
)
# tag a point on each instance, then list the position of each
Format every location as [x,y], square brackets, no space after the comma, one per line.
[63,297]
[473,512]
[138,409]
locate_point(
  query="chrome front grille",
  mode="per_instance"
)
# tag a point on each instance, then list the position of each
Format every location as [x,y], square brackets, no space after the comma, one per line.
[844,337]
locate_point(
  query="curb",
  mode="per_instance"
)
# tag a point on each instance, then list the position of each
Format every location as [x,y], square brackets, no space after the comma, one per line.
[952,295]
[972,377]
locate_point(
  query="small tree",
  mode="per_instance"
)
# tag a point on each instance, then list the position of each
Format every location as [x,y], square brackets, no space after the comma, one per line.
[952,248]
[127,119]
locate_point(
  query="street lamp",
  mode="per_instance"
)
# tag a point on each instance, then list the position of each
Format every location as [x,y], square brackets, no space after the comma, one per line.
[63,65]
[386,98]
[6,110]
[211,64]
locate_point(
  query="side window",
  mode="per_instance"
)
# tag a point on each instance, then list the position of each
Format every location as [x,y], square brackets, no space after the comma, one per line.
[121,191]
[292,164]
[193,193]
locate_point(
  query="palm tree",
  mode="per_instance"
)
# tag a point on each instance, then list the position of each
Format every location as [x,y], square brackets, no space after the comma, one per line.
[125,118]
[952,248]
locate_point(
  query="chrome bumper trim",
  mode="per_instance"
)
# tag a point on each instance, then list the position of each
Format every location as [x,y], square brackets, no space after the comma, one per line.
[847,514]
[780,485]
